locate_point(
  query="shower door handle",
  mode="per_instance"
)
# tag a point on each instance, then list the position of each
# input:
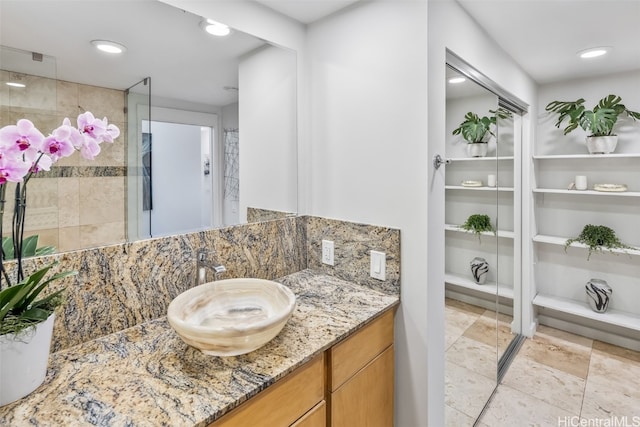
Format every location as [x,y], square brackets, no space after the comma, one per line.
[439,161]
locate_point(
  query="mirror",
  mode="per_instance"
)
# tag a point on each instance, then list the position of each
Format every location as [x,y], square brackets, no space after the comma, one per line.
[482,289]
[471,328]
[231,100]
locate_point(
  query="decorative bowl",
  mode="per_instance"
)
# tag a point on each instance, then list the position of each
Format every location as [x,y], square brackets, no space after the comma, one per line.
[231,317]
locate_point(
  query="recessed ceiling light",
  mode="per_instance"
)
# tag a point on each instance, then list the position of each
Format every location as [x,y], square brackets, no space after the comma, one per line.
[14,84]
[215,28]
[455,80]
[108,46]
[593,52]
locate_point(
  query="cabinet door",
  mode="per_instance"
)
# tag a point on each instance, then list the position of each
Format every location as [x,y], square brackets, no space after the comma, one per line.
[317,417]
[349,356]
[367,398]
[284,402]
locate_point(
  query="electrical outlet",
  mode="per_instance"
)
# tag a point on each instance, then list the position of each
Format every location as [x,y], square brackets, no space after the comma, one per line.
[378,265]
[327,252]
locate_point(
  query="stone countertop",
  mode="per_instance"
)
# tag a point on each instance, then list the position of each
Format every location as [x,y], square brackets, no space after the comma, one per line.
[147,376]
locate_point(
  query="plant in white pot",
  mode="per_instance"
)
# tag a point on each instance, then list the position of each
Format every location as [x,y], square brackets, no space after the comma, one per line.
[26,308]
[597,122]
[477,130]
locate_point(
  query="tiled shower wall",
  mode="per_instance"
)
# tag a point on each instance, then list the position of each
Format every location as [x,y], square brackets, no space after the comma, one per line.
[79,203]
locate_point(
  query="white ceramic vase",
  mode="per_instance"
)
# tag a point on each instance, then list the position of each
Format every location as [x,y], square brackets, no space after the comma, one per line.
[479,269]
[477,149]
[598,294]
[23,360]
[602,144]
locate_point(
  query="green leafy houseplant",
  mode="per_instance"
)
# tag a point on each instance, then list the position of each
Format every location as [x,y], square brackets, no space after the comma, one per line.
[598,121]
[597,237]
[478,224]
[475,129]
[19,306]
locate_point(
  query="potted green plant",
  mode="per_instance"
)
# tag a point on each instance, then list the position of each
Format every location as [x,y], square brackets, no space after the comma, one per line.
[27,310]
[597,238]
[478,224]
[597,122]
[477,130]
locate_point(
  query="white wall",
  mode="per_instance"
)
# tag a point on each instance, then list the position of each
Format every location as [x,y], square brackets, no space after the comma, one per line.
[626,85]
[367,67]
[371,161]
[268,131]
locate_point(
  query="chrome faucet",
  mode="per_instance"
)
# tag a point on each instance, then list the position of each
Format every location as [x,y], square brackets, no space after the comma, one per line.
[203,263]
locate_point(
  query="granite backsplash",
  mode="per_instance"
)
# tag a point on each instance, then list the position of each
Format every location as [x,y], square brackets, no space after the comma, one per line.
[123,285]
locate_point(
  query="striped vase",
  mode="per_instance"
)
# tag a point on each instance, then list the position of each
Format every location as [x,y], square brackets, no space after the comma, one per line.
[479,270]
[598,295]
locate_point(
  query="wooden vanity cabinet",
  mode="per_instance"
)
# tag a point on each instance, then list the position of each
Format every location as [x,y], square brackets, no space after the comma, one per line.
[361,377]
[349,385]
[285,403]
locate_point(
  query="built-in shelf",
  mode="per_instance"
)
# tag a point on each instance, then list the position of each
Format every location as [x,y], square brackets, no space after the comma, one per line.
[488,288]
[555,240]
[501,233]
[582,309]
[588,156]
[587,192]
[479,159]
[461,187]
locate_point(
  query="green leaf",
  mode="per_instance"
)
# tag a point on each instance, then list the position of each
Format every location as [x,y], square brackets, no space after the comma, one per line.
[7,295]
[7,248]
[48,299]
[29,245]
[45,250]
[33,295]
[35,314]
[599,122]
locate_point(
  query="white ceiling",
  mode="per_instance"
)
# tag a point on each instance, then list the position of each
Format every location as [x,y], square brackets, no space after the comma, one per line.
[543,36]
[306,11]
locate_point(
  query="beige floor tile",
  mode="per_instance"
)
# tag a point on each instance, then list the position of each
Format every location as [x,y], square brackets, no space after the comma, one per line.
[513,408]
[465,390]
[613,387]
[486,330]
[456,322]
[463,306]
[455,418]
[559,354]
[550,385]
[549,332]
[615,351]
[475,356]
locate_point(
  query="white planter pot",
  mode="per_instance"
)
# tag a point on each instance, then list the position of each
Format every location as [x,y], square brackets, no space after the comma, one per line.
[602,144]
[478,149]
[24,359]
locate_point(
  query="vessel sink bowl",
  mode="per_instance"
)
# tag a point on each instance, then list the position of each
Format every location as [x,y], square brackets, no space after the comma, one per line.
[232,316]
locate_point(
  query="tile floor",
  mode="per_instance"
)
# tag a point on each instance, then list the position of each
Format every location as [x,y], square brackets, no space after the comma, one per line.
[557,379]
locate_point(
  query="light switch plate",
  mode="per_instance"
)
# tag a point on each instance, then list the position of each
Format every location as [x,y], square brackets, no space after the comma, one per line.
[378,265]
[327,252]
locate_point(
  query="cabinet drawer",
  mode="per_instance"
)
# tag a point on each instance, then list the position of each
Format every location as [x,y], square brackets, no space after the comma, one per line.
[282,403]
[317,417]
[349,356]
[367,398]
